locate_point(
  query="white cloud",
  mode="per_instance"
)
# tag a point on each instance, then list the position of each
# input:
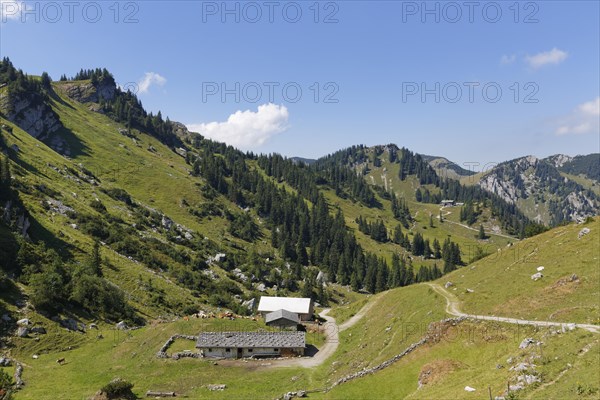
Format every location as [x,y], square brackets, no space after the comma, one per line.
[591,108]
[584,119]
[10,9]
[554,56]
[247,129]
[508,59]
[149,79]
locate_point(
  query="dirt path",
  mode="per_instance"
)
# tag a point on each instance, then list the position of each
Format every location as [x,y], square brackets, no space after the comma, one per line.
[332,331]
[473,229]
[453,308]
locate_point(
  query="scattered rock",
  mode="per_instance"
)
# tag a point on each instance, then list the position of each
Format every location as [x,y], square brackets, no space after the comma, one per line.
[470,291]
[121,326]
[517,387]
[23,322]
[448,284]
[540,268]
[5,362]
[537,276]
[528,379]
[35,356]
[469,389]
[249,304]
[526,342]
[38,329]
[573,278]
[583,232]
[72,325]
[166,222]
[520,367]
[216,387]
[22,332]
[261,287]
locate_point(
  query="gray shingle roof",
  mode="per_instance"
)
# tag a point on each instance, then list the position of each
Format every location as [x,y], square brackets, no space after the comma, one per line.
[281,314]
[251,339]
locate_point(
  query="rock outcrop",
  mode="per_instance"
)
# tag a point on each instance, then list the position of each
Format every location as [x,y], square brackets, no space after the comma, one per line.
[87,92]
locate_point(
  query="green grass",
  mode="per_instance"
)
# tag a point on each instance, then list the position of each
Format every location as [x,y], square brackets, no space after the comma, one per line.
[502,282]
[474,350]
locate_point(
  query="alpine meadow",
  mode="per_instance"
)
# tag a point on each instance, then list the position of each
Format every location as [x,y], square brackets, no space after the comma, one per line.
[280,200]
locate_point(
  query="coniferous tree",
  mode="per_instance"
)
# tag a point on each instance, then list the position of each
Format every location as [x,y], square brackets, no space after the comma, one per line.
[95,260]
[481,235]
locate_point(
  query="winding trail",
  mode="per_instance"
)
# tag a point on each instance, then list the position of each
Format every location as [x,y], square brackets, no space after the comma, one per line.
[332,340]
[473,229]
[453,304]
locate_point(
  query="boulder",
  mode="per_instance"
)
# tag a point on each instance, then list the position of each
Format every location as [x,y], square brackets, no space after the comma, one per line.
[537,276]
[166,222]
[23,322]
[249,304]
[583,232]
[70,324]
[121,326]
[540,268]
[5,362]
[528,379]
[38,329]
[215,387]
[22,332]
[526,342]
[448,284]
[469,389]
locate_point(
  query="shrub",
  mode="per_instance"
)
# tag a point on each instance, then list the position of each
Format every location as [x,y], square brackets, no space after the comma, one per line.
[118,388]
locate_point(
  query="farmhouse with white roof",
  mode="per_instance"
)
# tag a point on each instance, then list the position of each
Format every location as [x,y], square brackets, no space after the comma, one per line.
[303,307]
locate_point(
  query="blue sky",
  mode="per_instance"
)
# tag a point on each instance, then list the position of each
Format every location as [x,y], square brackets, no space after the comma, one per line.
[369,72]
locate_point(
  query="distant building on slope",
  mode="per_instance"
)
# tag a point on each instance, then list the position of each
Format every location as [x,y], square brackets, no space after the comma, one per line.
[303,307]
[251,344]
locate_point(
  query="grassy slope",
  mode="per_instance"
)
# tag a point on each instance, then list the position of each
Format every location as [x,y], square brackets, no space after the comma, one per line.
[33,170]
[471,354]
[502,282]
[466,238]
[475,350]
[567,363]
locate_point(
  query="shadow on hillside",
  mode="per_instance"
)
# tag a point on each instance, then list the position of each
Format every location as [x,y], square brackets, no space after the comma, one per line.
[55,97]
[66,143]
[38,232]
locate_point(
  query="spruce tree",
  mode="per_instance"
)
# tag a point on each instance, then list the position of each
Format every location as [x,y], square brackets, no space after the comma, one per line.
[481,234]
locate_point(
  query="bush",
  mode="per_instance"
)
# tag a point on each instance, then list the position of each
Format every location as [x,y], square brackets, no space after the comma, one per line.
[98,206]
[119,194]
[118,388]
